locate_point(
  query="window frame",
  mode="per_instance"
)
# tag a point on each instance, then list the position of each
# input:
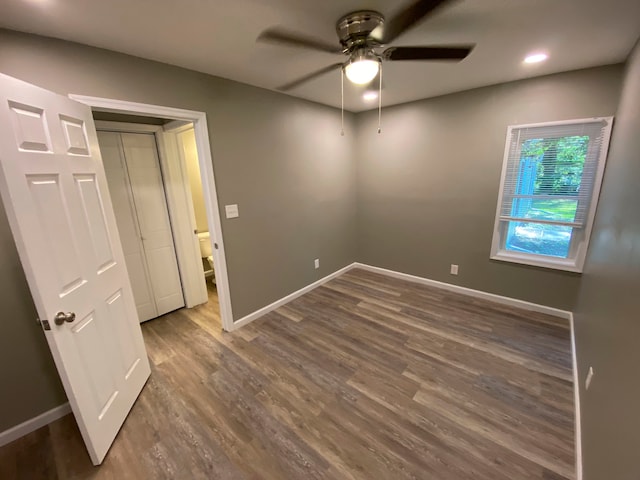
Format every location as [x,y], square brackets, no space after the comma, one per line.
[580,236]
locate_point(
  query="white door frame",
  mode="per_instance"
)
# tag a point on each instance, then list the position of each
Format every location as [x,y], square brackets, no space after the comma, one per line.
[179,205]
[199,120]
[179,190]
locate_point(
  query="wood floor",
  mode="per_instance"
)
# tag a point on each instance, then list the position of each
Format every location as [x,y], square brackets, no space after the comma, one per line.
[365,377]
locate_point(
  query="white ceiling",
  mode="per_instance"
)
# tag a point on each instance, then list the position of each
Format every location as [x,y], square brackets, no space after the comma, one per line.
[218,37]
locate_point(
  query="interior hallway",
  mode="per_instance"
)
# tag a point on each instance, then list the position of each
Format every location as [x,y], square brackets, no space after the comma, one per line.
[365,377]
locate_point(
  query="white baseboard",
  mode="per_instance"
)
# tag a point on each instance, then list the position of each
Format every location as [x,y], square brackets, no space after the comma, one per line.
[33,424]
[514,302]
[278,303]
[576,400]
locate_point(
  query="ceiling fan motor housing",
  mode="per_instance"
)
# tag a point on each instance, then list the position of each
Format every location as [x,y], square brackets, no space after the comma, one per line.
[355,28]
[363,34]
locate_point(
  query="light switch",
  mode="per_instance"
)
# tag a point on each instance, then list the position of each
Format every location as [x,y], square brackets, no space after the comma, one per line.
[231,211]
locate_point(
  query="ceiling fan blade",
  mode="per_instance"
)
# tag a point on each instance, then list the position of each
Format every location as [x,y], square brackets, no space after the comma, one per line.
[405,19]
[292,39]
[306,78]
[450,52]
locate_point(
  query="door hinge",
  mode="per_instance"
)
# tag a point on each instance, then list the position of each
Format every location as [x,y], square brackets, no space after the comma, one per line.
[44,323]
[215,245]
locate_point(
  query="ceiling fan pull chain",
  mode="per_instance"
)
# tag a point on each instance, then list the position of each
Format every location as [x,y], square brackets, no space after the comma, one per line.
[380,101]
[342,100]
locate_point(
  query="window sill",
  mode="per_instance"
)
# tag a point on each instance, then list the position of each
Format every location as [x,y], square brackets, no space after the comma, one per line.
[538,261]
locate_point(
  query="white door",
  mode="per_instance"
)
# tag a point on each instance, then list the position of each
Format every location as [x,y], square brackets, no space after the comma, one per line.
[143,166]
[152,253]
[54,191]
[126,218]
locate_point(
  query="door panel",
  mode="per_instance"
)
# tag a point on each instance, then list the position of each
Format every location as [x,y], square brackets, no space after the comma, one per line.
[29,127]
[166,280]
[74,135]
[90,346]
[53,215]
[54,190]
[142,293]
[127,351]
[94,218]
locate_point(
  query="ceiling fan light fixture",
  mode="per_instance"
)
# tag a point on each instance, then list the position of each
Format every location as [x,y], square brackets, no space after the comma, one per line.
[362,68]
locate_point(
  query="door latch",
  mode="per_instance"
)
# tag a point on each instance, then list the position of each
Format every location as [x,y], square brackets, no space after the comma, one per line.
[45,324]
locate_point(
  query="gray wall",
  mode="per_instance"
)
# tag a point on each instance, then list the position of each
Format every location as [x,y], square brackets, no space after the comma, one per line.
[29,381]
[607,315]
[428,185]
[281,159]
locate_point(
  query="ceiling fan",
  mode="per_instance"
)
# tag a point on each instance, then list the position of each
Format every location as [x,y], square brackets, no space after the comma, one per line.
[362,35]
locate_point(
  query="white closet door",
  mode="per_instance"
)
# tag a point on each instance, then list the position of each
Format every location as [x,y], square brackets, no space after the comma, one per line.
[143,166]
[120,190]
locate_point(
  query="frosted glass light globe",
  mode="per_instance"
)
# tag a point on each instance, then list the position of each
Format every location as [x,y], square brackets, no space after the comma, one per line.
[362,71]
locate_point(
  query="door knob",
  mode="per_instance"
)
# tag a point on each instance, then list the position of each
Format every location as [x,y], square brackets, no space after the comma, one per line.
[62,317]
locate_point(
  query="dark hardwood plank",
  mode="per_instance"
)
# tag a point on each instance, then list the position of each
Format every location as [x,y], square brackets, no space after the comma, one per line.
[366,377]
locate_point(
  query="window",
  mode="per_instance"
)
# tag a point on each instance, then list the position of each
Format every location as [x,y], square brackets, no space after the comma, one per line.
[549,190]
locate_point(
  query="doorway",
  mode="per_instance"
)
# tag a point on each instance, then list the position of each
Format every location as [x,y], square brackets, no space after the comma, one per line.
[164,274]
[183,131]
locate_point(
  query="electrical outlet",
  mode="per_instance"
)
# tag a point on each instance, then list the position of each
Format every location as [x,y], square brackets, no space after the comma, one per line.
[316,263]
[454,269]
[587,382]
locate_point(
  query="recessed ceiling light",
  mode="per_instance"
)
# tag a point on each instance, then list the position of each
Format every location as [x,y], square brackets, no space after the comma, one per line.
[370,96]
[536,58]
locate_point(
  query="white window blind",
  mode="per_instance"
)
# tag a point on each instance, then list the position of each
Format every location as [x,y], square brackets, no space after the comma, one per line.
[568,186]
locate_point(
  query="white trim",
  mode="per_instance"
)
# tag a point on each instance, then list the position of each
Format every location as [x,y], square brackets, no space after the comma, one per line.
[177,126]
[595,195]
[536,261]
[292,296]
[576,401]
[143,109]
[34,424]
[564,122]
[213,219]
[205,159]
[579,247]
[110,126]
[514,302]
[180,203]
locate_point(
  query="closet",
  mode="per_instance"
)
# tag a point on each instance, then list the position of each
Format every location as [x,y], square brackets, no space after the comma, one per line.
[135,183]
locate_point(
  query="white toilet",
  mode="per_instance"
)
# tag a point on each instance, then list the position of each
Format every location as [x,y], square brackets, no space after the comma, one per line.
[206,253]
